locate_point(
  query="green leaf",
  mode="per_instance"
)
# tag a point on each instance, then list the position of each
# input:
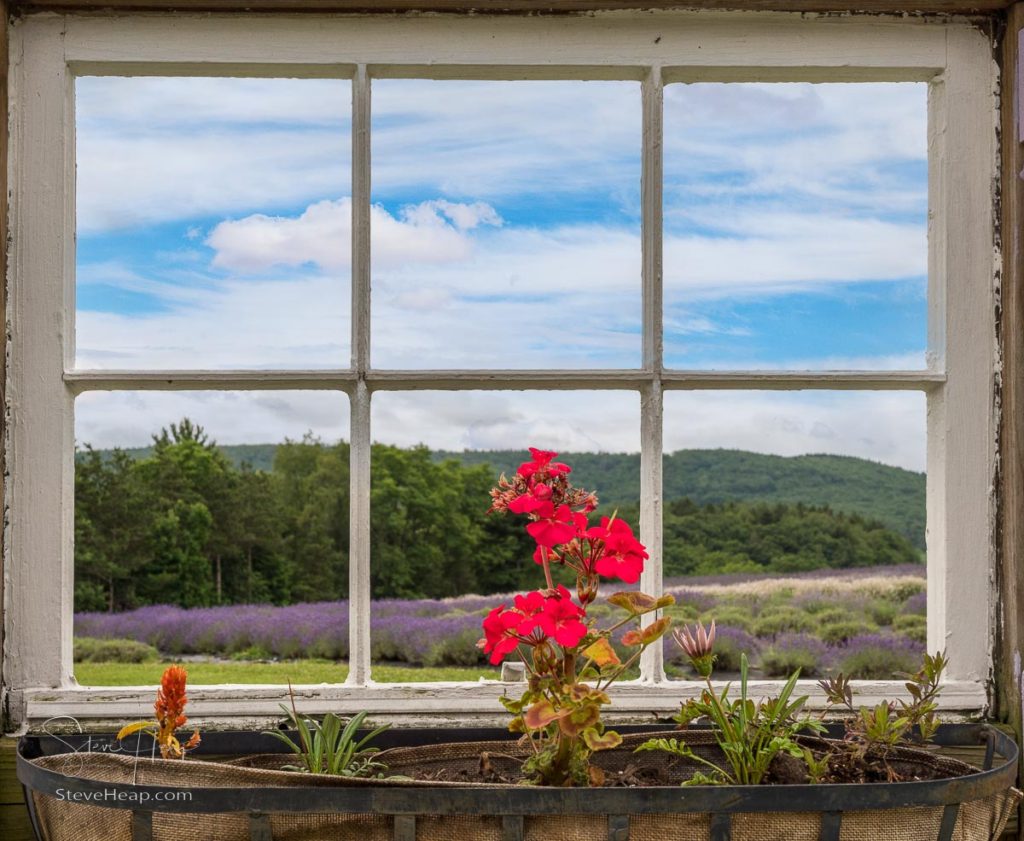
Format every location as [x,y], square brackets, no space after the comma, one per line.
[601,741]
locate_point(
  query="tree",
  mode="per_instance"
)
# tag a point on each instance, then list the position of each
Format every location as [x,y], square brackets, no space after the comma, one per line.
[179,536]
[114,511]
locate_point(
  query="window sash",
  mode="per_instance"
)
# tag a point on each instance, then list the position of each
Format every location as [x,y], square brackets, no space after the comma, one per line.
[655,49]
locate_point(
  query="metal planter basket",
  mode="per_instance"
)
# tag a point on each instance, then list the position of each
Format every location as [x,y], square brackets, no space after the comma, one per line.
[78,788]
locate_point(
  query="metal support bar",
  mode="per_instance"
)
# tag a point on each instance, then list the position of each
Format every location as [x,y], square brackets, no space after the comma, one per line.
[405,828]
[259,827]
[513,828]
[721,826]
[831,823]
[618,828]
[990,749]
[949,816]
[142,826]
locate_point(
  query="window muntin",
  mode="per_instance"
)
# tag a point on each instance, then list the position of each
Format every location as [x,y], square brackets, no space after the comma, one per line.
[955,59]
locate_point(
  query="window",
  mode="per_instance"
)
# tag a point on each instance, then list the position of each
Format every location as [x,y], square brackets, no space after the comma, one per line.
[645,59]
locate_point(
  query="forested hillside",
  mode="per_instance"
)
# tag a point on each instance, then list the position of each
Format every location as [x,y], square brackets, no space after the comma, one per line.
[183,523]
[894,496]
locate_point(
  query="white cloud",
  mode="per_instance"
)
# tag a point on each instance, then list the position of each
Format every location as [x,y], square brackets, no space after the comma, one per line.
[130,418]
[155,150]
[882,426]
[429,232]
[605,421]
[839,146]
[452,289]
[300,322]
[789,250]
[885,426]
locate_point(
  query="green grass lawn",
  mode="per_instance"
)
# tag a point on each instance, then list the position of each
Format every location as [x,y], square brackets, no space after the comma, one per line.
[296,671]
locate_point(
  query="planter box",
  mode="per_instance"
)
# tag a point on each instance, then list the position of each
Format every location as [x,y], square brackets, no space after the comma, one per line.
[82,788]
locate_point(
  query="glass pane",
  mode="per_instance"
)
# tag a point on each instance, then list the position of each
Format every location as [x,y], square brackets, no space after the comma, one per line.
[436,554]
[796,520]
[506,224]
[796,225]
[213,223]
[211,526]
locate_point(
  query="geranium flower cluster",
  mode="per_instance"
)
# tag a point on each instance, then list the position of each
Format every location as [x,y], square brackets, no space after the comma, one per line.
[532,620]
[560,711]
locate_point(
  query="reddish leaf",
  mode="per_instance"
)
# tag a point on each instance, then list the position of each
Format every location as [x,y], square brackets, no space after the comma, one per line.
[645,636]
[541,715]
[640,603]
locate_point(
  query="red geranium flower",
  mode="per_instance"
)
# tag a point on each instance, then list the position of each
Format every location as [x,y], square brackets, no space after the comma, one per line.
[558,526]
[529,606]
[542,461]
[622,555]
[501,633]
[536,501]
[561,619]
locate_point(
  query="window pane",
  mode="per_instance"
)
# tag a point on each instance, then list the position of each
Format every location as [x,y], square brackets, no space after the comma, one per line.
[213,223]
[795,225]
[212,526]
[506,224]
[435,550]
[797,521]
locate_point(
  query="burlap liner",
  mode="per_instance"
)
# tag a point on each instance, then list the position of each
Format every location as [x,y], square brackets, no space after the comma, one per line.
[61,820]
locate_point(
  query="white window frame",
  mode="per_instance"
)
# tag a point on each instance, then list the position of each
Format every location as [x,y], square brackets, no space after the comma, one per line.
[48,51]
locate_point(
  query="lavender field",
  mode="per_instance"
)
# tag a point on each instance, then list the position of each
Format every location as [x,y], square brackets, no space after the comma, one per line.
[868,623]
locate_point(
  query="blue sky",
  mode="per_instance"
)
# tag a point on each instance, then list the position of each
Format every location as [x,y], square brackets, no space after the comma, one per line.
[214,232]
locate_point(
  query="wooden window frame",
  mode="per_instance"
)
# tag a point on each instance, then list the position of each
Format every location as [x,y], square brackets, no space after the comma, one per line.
[47,51]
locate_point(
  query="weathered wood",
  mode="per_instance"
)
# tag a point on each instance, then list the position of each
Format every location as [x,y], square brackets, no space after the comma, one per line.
[4,56]
[505,6]
[1010,564]
[436,704]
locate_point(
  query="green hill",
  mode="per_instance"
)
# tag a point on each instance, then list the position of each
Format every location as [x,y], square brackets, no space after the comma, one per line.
[894,496]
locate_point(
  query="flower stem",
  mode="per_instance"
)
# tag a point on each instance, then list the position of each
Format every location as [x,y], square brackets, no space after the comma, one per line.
[547,567]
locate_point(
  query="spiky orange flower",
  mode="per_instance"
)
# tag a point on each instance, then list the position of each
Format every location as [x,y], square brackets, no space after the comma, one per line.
[171,698]
[170,715]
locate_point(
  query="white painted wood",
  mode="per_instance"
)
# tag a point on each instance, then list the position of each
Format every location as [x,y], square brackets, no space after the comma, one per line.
[359,551]
[652,212]
[229,380]
[82,380]
[961,414]
[673,39]
[790,380]
[361,221]
[359,452]
[680,46]
[652,669]
[38,566]
[432,703]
